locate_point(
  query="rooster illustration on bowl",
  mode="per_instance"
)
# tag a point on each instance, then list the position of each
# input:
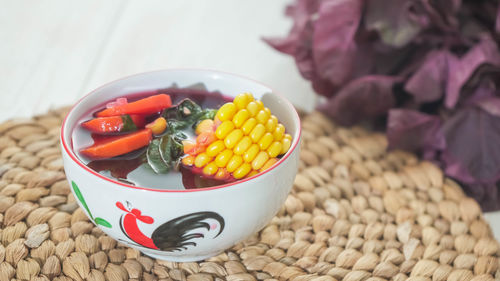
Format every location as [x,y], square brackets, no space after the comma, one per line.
[174,235]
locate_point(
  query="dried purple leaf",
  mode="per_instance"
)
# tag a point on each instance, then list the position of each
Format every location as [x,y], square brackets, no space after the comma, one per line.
[367,97]
[485,52]
[428,83]
[394,20]
[432,66]
[472,154]
[415,131]
[487,194]
[333,39]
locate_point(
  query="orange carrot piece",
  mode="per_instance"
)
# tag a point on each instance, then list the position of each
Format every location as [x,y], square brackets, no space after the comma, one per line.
[189,147]
[147,105]
[139,120]
[206,138]
[118,145]
[114,124]
[192,148]
[104,125]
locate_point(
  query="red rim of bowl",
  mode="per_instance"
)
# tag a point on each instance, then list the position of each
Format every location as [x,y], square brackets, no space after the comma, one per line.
[85,167]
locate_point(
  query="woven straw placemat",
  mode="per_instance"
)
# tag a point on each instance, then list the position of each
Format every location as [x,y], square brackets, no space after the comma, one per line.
[356,212]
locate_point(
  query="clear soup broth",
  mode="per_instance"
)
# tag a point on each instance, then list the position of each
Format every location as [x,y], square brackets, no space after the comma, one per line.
[179,139]
[130,168]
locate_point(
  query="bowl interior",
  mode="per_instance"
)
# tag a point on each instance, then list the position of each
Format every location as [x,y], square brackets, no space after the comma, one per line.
[228,84]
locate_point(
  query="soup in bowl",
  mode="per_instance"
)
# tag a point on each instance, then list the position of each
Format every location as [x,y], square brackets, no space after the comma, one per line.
[181,164]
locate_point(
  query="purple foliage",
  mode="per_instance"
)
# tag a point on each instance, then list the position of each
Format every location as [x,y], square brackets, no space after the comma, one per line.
[431,68]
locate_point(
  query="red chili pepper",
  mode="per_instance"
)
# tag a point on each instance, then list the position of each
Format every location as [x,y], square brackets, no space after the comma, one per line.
[143,106]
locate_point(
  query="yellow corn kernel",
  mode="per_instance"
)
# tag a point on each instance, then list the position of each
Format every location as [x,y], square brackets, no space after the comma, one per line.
[202,159]
[240,118]
[271,123]
[262,116]
[210,169]
[251,152]
[242,145]
[233,138]
[250,97]
[288,136]
[206,125]
[224,129]
[260,104]
[188,160]
[265,141]
[223,157]
[241,101]
[214,148]
[254,107]
[257,132]
[285,145]
[242,171]
[158,126]
[221,174]
[274,149]
[267,110]
[252,173]
[226,112]
[268,164]
[234,163]
[249,125]
[260,160]
[279,132]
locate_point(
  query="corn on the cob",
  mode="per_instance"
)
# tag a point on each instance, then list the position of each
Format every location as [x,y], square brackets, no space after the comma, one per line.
[247,140]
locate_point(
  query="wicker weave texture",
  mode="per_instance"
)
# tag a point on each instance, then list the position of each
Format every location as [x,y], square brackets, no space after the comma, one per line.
[356,212]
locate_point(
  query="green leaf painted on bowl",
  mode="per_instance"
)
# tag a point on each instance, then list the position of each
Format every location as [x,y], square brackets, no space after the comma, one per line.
[79,195]
[102,222]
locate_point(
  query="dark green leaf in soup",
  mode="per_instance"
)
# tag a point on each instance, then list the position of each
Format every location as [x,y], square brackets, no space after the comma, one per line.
[186,114]
[171,149]
[154,157]
[164,152]
[205,114]
[183,111]
[128,124]
[164,148]
[177,149]
[188,108]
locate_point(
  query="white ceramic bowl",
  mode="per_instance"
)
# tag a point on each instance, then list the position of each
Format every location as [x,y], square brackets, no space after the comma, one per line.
[182,225]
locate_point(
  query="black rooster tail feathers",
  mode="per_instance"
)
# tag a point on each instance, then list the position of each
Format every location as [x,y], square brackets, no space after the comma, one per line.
[174,234]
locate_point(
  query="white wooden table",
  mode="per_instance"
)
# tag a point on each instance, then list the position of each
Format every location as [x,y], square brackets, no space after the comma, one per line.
[52,52]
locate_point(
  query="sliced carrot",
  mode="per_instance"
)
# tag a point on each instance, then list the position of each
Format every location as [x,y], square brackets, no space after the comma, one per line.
[147,105]
[188,146]
[104,124]
[118,145]
[114,124]
[139,120]
[206,138]
[192,148]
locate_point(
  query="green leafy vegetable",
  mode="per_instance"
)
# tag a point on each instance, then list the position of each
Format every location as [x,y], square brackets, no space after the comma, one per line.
[165,149]
[155,160]
[206,114]
[164,152]
[186,114]
[128,124]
